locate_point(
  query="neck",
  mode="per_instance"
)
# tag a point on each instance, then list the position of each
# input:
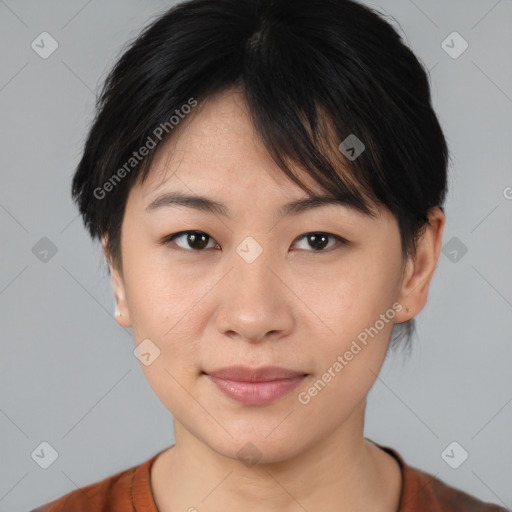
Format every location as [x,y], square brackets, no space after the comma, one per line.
[342,472]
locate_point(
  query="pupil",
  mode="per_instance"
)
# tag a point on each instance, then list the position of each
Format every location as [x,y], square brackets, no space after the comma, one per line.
[315,238]
[193,237]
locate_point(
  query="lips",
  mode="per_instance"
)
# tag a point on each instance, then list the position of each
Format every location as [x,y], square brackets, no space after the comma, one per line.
[255,386]
[247,374]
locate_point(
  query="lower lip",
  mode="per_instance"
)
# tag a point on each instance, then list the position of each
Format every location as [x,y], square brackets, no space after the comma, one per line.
[256,393]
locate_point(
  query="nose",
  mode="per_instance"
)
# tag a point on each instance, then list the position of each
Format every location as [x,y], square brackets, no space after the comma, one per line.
[255,301]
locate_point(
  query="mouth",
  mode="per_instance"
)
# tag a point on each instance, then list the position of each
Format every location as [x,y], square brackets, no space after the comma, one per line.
[255,386]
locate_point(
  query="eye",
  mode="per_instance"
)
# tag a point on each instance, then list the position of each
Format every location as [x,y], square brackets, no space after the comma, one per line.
[319,240]
[198,240]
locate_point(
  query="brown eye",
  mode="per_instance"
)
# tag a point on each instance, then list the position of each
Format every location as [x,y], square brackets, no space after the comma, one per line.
[195,240]
[319,240]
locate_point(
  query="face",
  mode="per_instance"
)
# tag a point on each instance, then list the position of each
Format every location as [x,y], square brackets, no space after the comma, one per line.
[299,291]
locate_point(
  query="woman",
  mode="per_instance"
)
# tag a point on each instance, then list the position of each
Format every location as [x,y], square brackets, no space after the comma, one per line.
[267,181]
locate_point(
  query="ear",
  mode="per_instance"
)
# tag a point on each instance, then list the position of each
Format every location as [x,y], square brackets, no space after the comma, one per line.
[122,314]
[420,268]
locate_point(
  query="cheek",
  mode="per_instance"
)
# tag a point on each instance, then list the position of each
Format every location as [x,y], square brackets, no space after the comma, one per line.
[151,301]
[167,306]
[164,308]
[357,314]
[347,362]
[349,295]
[159,291]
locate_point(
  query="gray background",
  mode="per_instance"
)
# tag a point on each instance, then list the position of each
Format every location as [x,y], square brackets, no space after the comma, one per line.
[68,373]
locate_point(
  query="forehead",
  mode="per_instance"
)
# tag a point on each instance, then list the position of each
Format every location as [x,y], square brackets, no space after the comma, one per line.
[217,152]
[219,146]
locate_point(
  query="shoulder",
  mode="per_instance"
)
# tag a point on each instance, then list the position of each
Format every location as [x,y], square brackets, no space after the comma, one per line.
[448,498]
[422,491]
[112,494]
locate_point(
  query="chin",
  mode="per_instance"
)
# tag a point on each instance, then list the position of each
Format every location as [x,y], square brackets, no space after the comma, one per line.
[257,449]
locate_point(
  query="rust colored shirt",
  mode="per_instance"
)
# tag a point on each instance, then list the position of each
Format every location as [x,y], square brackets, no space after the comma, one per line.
[130,491]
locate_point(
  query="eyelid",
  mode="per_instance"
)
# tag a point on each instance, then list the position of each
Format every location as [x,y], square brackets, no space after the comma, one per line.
[339,239]
[170,238]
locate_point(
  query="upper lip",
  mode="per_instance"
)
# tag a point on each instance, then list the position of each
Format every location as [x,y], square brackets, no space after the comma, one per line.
[247,374]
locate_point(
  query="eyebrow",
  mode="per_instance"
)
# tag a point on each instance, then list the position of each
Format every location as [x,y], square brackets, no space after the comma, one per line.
[208,205]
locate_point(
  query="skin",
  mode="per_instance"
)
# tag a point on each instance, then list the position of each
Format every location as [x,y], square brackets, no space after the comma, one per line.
[293,306]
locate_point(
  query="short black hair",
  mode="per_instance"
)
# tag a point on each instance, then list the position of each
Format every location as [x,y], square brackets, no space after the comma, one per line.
[316,75]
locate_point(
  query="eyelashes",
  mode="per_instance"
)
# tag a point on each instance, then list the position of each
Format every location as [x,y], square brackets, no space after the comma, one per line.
[197,237]
[199,241]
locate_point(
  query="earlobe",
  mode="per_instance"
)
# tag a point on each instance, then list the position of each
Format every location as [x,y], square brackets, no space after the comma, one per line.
[122,314]
[420,268]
